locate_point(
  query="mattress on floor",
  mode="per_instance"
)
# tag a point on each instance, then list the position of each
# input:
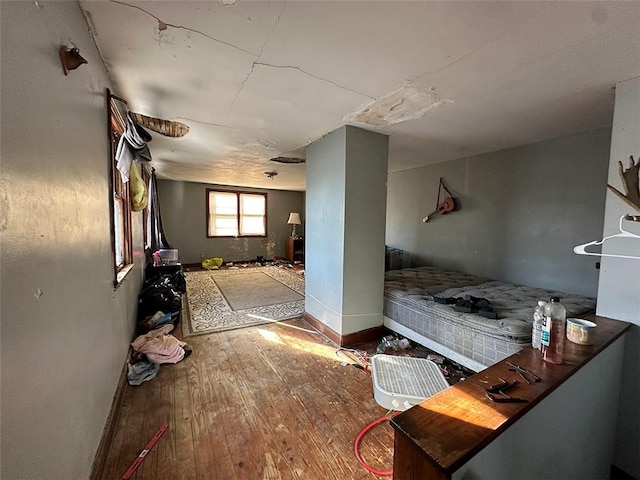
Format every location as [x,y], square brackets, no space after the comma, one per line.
[481,339]
[421,283]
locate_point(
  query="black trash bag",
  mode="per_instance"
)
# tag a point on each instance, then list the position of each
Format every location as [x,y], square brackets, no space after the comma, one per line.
[179,282]
[158,296]
[175,280]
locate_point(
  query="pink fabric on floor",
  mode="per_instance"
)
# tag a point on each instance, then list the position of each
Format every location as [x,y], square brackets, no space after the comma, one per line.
[159,346]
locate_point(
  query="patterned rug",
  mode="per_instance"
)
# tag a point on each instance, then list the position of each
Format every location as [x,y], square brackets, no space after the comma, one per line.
[219,300]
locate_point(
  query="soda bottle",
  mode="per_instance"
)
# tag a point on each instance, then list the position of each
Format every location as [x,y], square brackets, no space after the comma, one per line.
[553,328]
[538,317]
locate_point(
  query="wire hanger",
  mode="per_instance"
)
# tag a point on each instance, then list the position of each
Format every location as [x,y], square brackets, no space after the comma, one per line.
[581,249]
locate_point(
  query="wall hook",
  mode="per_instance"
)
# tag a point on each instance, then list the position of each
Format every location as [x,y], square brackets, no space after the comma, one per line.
[70,58]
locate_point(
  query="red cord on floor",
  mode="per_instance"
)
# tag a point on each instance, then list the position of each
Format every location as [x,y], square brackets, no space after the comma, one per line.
[356,445]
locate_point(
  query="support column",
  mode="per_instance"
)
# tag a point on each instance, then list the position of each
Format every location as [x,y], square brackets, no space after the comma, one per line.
[345,229]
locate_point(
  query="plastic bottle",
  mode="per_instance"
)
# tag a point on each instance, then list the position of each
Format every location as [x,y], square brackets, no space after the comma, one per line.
[553,328]
[392,343]
[538,317]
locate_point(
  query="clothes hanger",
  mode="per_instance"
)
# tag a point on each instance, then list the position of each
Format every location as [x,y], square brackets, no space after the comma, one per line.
[581,249]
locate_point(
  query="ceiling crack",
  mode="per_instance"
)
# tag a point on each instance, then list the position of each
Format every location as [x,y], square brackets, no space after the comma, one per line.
[202,122]
[93,33]
[181,27]
[253,64]
[235,97]
[293,67]
[480,47]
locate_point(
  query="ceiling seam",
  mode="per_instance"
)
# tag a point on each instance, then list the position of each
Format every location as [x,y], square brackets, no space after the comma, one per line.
[480,47]
[92,33]
[317,77]
[202,122]
[182,27]
[253,64]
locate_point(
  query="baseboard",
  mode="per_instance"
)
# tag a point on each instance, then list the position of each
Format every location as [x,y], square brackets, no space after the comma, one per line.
[331,334]
[192,266]
[368,335]
[109,430]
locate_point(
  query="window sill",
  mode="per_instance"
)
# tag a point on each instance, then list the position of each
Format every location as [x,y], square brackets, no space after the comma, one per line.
[121,275]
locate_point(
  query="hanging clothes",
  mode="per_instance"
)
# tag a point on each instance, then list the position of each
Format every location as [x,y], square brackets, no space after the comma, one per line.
[132,146]
[156,238]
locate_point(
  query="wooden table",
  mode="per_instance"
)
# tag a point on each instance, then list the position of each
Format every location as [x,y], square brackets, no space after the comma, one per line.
[294,249]
[438,436]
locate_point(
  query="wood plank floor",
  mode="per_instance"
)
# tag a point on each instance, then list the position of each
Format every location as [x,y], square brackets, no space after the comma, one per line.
[266,402]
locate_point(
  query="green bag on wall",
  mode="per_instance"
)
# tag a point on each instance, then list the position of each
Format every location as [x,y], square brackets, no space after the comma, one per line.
[139,197]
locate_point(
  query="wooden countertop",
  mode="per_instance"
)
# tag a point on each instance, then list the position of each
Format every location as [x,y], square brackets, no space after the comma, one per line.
[455,424]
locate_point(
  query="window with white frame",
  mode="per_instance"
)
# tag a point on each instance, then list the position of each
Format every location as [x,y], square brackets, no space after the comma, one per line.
[236,214]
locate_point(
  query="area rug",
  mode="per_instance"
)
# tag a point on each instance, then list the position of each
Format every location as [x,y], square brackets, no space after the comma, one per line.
[220,300]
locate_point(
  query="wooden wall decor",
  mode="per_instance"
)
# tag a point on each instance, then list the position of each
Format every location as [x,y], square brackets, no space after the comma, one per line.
[447,205]
[168,128]
[70,59]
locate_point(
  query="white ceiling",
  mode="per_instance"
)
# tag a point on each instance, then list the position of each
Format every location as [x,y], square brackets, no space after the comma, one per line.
[257,80]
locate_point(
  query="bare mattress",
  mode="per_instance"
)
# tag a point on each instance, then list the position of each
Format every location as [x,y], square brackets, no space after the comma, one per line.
[468,338]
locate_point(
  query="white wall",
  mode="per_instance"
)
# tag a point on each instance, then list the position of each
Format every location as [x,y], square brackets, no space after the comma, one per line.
[345,208]
[567,436]
[65,331]
[619,287]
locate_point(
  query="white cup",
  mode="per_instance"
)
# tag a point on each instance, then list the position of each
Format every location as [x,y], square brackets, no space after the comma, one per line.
[578,330]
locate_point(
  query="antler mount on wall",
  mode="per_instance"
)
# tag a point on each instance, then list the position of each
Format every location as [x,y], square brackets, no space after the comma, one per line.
[631,182]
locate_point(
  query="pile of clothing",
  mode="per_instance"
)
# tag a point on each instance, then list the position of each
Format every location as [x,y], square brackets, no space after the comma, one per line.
[151,350]
[469,304]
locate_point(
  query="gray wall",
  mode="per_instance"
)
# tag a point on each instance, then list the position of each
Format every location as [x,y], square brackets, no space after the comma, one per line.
[65,330]
[522,212]
[346,172]
[184,215]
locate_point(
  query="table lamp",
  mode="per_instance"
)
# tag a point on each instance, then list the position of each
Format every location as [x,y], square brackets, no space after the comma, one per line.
[294,219]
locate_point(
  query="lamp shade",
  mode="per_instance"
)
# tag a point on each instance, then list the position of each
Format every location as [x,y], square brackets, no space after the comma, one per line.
[294,219]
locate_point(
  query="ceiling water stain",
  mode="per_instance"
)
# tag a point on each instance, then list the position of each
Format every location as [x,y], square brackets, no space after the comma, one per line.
[406,102]
[4,211]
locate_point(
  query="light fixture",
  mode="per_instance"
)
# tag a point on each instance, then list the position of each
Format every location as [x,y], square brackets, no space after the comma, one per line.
[270,174]
[70,58]
[294,219]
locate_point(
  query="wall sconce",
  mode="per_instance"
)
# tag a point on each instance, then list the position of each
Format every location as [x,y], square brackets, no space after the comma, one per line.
[70,58]
[294,219]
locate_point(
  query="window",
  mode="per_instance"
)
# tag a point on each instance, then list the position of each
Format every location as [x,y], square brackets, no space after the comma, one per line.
[121,236]
[236,214]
